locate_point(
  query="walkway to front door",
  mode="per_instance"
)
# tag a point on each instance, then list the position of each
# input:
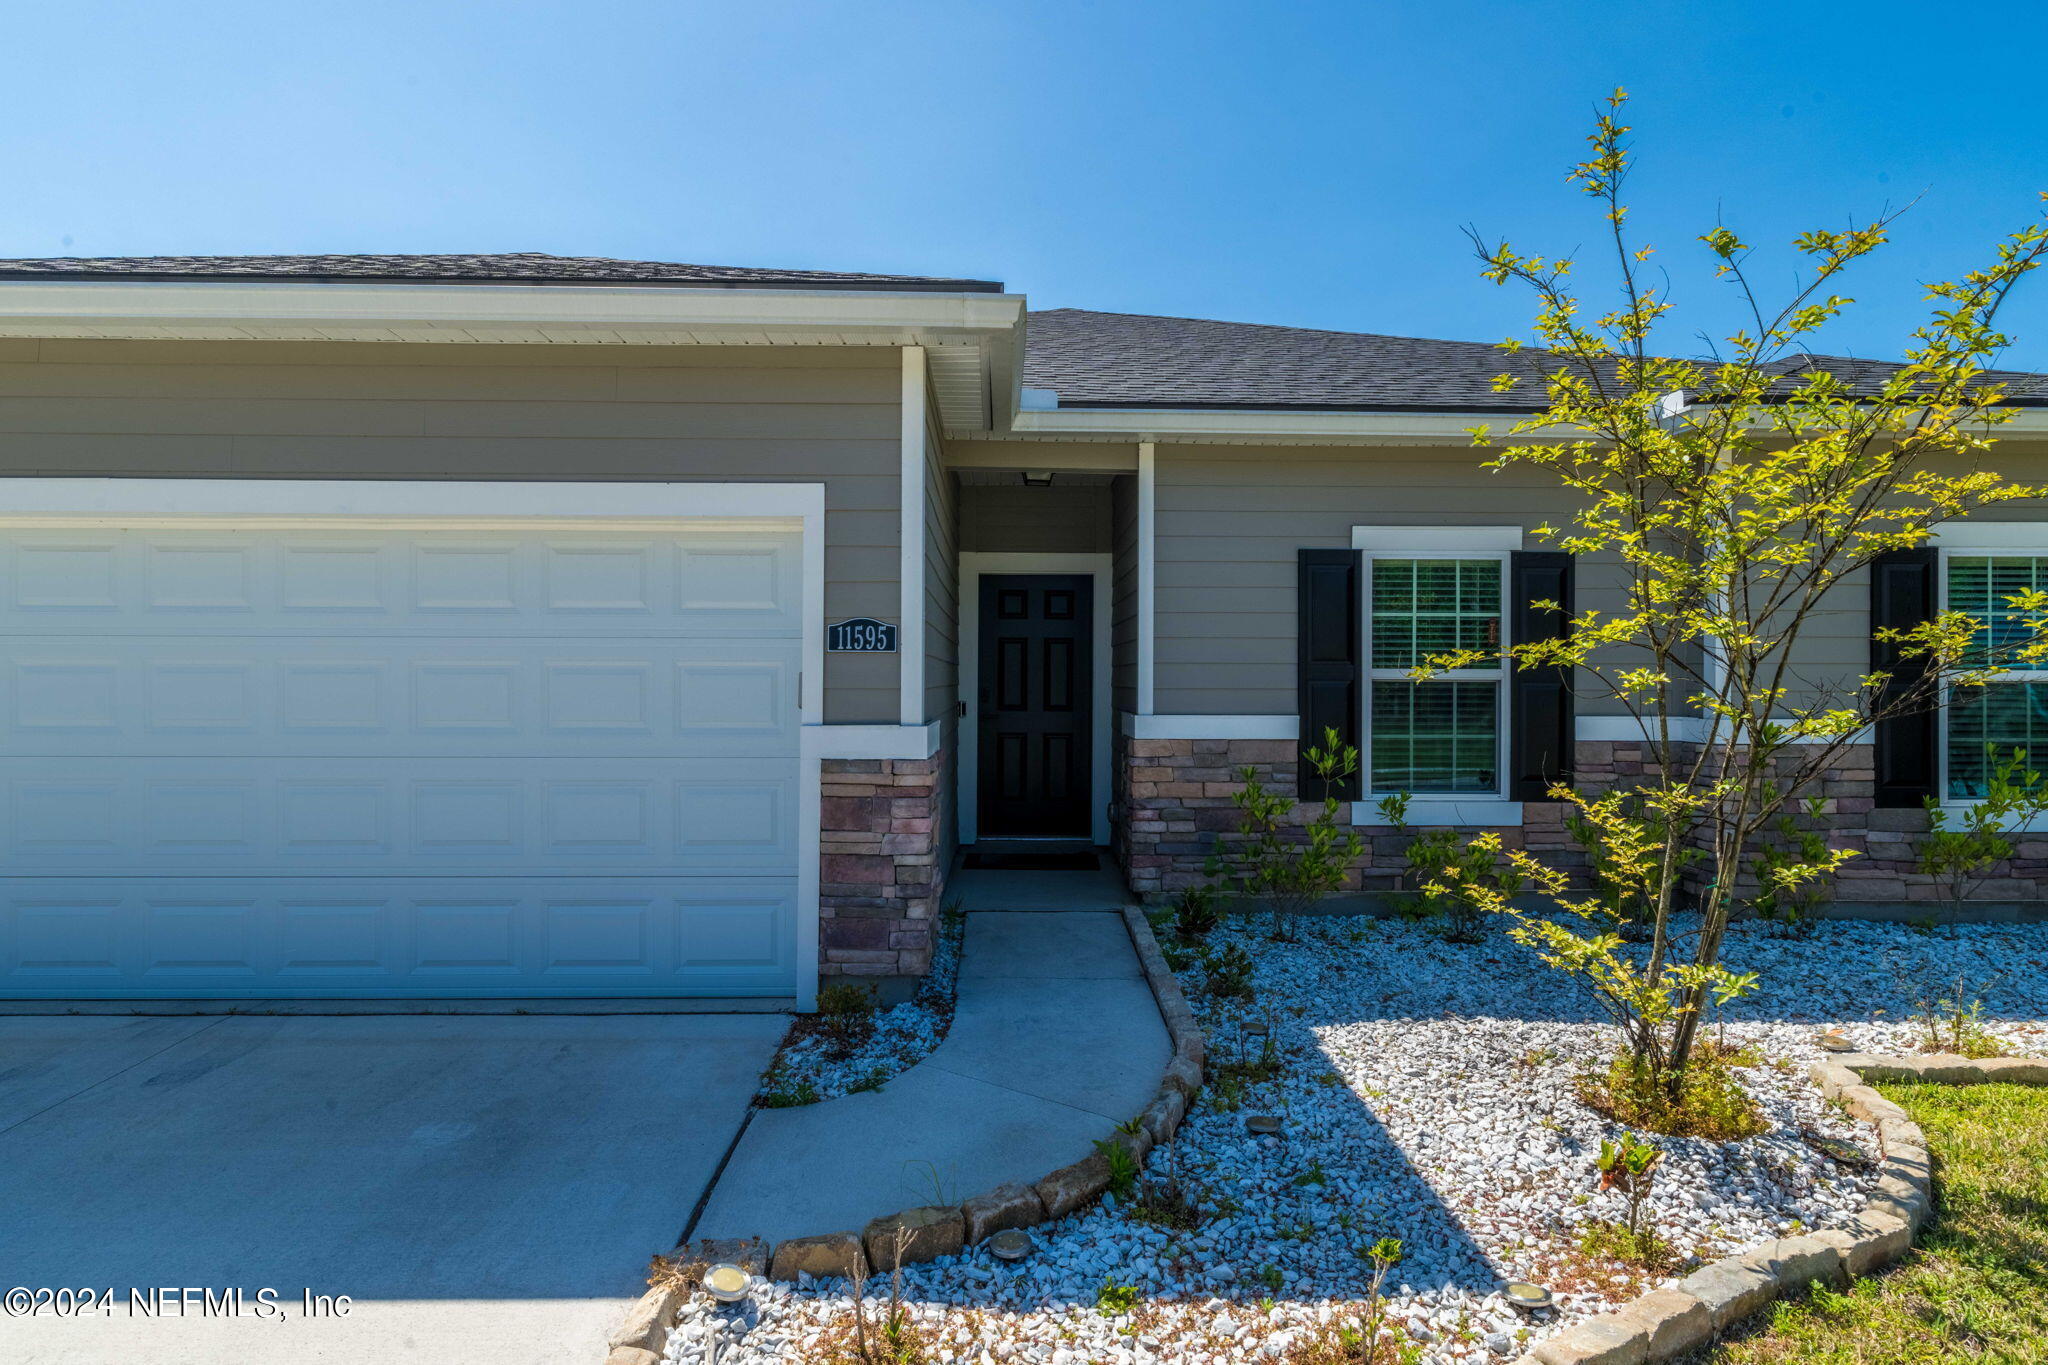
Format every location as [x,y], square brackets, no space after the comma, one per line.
[1035,714]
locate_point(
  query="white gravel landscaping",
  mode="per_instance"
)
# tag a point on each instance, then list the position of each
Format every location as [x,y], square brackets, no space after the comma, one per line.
[809,1067]
[1427,1092]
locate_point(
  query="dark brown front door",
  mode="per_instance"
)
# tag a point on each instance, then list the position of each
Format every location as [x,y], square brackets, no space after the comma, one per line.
[1034,705]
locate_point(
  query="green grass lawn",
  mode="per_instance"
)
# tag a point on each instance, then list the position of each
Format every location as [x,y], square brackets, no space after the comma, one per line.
[1975,1287]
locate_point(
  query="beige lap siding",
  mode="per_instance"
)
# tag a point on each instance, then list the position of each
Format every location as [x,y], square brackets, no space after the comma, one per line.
[355,410]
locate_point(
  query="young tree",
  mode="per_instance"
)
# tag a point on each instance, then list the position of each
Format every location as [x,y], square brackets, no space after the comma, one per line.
[1737,494]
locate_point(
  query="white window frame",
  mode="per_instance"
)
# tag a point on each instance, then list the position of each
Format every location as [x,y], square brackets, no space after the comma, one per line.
[1497,543]
[2017,540]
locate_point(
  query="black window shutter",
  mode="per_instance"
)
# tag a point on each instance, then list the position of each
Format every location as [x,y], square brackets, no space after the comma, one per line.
[1901,597]
[1328,671]
[1540,713]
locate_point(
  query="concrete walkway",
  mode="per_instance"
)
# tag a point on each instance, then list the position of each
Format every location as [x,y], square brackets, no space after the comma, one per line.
[482,1188]
[1056,1038]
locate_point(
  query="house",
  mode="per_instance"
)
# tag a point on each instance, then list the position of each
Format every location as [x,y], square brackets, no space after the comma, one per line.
[468,626]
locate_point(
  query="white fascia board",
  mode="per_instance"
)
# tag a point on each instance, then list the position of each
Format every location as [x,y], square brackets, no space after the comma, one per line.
[111,308]
[1159,424]
[870,741]
[1210,727]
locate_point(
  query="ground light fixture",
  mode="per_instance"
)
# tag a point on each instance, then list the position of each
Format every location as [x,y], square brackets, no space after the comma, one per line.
[726,1282]
[1263,1125]
[1527,1297]
[1833,1042]
[1011,1244]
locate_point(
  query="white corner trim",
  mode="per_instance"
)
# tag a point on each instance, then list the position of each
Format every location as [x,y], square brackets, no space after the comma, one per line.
[1211,727]
[1426,812]
[1102,571]
[1980,537]
[910,499]
[1423,539]
[870,741]
[1148,520]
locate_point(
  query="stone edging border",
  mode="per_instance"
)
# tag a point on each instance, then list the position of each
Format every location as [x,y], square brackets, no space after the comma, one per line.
[945,1230]
[1665,1324]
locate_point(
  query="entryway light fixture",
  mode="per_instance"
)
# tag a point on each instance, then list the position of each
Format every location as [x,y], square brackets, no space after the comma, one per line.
[1037,478]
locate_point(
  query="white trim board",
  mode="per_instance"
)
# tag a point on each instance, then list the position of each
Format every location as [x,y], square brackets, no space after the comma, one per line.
[1422,540]
[330,501]
[1147,554]
[1993,537]
[973,564]
[1210,727]
[870,741]
[910,499]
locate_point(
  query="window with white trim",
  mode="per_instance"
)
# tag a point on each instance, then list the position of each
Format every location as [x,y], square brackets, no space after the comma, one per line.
[1446,736]
[1982,724]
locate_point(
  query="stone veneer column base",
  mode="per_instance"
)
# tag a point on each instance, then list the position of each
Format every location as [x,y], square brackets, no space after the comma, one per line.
[879,878]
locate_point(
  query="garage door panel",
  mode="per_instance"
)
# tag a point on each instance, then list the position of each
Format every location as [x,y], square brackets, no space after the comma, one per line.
[225,695]
[558,759]
[560,581]
[234,938]
[243,817]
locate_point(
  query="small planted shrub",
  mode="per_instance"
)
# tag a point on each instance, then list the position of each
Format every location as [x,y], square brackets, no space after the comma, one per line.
[846,1015]
[1707,1101]
[1442,873]
[861,1337]
[1953,1022]
[1114,1300]
[1228,973]
[1787,895]
[1364,1339]
[1629,1166]
[1962,855]
[1290,868]
[1195,913]
[1166,1201]
[1123,1167]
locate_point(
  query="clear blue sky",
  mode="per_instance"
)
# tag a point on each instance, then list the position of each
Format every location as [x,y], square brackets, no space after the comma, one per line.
[1303,163]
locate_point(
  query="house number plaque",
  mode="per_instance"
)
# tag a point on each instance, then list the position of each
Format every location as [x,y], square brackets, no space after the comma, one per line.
[861,635]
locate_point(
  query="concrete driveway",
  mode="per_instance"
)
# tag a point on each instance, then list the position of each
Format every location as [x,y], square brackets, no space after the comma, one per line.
[480,1187]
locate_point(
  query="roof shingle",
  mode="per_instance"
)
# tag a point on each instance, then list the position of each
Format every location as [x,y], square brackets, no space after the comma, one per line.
[1134,360]
[526,267]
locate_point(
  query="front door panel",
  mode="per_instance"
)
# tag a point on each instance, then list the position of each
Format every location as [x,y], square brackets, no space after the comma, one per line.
[1035,716]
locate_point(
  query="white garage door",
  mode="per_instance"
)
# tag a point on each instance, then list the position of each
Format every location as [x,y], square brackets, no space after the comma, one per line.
[558,760]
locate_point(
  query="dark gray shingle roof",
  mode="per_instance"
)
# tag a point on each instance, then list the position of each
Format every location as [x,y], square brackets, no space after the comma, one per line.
[525,267]
[1134,360]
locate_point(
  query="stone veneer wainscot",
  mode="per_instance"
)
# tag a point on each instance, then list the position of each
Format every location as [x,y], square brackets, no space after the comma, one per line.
[879,879]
